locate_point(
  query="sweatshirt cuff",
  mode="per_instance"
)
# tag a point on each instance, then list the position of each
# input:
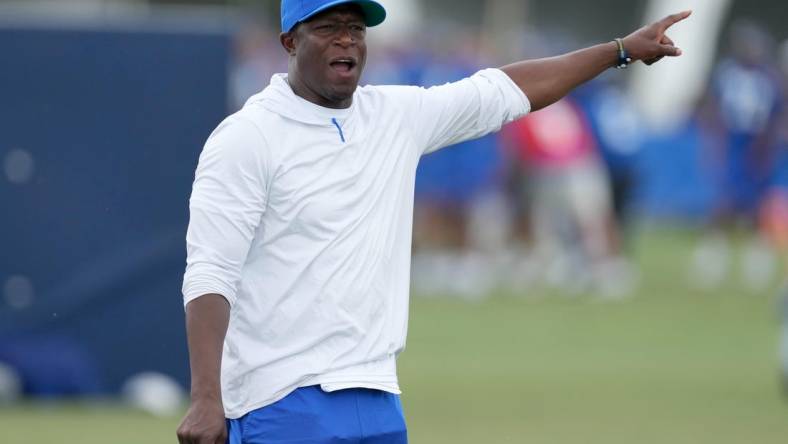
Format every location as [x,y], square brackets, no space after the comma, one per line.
[517,102]
[197,286]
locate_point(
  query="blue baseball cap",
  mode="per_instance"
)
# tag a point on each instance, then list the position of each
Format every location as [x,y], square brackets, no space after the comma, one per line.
[295,11]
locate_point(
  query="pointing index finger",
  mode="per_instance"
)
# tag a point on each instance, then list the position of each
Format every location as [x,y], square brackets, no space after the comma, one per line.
[672,19]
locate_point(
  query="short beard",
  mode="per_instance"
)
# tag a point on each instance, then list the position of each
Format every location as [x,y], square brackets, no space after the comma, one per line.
[335,95]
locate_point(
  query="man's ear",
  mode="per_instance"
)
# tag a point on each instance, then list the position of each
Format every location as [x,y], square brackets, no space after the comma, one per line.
[288,41]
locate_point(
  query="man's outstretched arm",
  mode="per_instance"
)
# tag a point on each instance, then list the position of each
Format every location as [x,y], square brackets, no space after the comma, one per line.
[207,318]
[545,81]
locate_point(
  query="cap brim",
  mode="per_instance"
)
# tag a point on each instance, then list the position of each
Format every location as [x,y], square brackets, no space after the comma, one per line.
[374,12]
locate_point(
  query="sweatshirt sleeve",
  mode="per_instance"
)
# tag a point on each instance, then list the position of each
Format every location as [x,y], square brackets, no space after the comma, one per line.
[227,202]
[467,109]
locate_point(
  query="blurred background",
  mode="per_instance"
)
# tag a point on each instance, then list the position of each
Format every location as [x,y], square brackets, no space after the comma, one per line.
[609,269]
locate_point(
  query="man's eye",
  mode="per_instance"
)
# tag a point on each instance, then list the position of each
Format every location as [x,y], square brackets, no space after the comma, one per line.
[357,28]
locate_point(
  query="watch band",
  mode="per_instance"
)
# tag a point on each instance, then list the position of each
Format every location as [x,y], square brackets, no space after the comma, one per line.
[623,56]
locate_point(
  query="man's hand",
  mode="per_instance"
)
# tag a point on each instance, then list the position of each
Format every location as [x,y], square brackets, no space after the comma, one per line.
[204,423]
[650,44]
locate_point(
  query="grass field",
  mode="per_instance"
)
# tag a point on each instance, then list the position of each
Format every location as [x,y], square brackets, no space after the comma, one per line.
[668,366]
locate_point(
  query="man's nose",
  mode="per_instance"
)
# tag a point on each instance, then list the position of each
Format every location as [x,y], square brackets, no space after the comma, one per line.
[345,37]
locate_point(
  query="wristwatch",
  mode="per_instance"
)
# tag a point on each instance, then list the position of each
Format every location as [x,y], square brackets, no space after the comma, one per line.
[623,56]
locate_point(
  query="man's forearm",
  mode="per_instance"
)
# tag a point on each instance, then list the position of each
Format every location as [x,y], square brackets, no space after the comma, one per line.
[545,81]
[207,319]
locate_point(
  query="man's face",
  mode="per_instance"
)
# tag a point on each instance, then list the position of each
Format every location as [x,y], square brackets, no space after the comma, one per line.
[328,54]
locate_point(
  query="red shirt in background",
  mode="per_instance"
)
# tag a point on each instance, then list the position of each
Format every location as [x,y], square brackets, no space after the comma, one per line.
[555,137]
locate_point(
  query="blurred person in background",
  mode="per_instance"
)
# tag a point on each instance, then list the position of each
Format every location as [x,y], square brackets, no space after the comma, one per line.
[619,134]
[774,215]
[746,95]
[255,60]
[774,206]
[568,200]
[296,287]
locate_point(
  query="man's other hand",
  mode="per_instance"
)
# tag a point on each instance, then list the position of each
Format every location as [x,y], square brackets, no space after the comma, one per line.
[204,423]
[650,43]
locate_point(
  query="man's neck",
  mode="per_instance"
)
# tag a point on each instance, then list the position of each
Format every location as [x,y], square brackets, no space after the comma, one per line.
[302,90]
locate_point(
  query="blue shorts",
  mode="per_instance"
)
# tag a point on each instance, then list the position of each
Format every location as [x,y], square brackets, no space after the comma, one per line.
[311,416]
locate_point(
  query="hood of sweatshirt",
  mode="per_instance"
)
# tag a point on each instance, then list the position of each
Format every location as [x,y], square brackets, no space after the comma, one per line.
[278,97]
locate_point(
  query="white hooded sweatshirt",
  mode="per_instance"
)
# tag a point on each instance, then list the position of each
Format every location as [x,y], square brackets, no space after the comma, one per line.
[301,217]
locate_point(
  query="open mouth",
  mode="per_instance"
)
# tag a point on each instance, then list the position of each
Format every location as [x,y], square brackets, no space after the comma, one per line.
[343,64]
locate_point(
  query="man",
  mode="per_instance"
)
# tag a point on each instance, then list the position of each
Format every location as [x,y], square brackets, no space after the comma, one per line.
[568,202]
[746,92]
[746,102]
[300,230]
